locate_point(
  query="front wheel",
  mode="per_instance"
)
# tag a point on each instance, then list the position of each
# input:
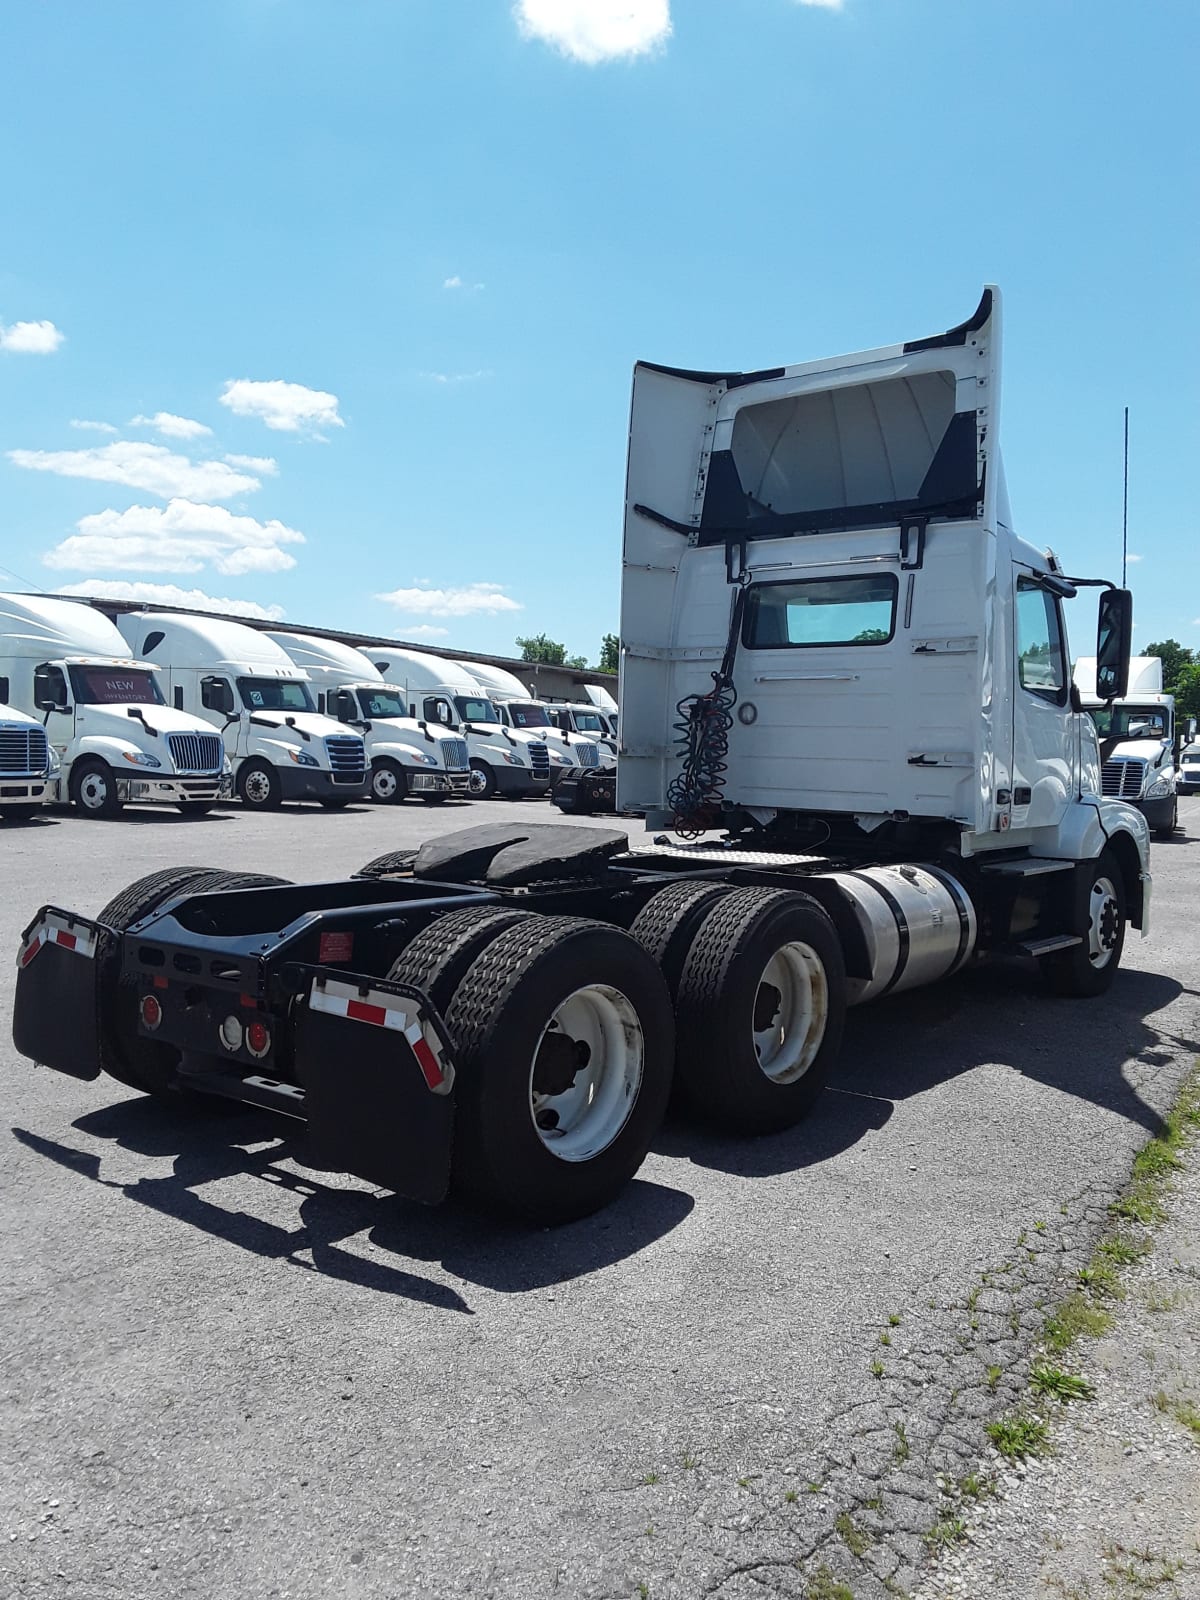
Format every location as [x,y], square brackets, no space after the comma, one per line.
[258,786]
[93,789]
[388,782]
[482,784]
[1088,968]
[1166,832]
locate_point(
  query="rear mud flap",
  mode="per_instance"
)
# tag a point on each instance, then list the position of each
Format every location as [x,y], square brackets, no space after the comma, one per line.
[377,1070]
[56,1010]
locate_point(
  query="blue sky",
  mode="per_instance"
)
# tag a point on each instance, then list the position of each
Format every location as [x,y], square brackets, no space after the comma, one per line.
[400,255]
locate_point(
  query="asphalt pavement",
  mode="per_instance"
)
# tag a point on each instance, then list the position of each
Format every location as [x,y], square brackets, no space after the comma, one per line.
[229,1375]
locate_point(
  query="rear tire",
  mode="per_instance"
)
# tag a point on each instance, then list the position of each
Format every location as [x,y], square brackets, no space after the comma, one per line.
[258,786]
[1098,917]
[389,782]
[761,1003]
[1172,826]
[438,958]
[393,861]
[93,789]
[531,1137]
[137,1062]
[667,923]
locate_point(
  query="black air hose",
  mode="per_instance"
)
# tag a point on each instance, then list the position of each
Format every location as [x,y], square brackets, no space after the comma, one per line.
[696,793]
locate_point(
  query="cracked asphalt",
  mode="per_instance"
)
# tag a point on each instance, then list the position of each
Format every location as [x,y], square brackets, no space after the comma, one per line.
[226,1374]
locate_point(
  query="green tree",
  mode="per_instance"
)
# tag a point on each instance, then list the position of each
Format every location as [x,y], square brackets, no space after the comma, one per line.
[610,654]
[1187,690]
[1174,657]
[870,636]
[579,662]
[543,649]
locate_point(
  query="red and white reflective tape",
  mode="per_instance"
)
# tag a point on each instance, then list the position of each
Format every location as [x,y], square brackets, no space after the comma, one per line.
[53,930]
[382,1010]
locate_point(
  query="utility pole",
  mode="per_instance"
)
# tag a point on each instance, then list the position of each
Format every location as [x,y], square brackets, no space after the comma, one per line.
[1125,506]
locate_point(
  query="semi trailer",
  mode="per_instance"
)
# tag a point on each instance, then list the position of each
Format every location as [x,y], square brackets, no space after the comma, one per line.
[405,755]
[103,711]
[845,692]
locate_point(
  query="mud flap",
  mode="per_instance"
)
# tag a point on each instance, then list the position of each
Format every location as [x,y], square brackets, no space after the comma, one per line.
[377,1070]
[56,1010]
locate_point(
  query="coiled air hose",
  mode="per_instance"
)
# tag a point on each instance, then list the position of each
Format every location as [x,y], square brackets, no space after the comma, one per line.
[702,725]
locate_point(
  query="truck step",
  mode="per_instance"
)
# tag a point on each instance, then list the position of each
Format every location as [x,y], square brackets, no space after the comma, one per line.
[1043,947]
[1028,867]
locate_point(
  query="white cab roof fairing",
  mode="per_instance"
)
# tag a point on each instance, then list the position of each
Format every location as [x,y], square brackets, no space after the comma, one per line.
[31,626]
[328,661]
[497,681]
[1145,677]
[599,697]
[208,644]
[421,674]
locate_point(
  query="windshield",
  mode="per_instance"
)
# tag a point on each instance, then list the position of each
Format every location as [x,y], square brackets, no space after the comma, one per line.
[113,686]
[588,722]
[274,694]
[1131,722]
[382,703]
[524,716]
[473,710]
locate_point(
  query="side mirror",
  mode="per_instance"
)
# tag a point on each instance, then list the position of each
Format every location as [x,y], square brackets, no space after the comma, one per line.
[1114,641]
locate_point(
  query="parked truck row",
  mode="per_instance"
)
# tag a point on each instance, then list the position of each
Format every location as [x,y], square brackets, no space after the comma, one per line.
[845,690]
[188,710]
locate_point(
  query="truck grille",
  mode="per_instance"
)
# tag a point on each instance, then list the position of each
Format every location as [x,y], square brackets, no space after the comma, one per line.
[589,754]
[539,760]
[196,752]
[454,754]
[23,751]
[347,758]
[1123,777]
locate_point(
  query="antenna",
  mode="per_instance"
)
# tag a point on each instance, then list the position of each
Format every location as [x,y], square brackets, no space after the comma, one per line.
[1125,505]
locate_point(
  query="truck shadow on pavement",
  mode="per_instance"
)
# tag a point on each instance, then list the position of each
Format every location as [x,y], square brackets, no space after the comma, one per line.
[207,1146]
[907,1045]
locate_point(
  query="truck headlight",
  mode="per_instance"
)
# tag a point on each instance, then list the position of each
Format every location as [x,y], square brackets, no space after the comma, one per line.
[513,761]
[425,760]
[303,759]
[563,761]
[1159,788]
[227,768]
[141,758]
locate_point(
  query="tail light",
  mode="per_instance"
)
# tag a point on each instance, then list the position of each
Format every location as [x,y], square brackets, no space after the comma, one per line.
[258,1039]
[151,1012]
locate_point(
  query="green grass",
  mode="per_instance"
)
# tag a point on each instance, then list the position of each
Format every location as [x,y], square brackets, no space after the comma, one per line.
[1121,1250]
[649,1478]
[1132,1573]
[893,1319]
[902,1449]
[994,1374]
[943,1534]
[824,1586]
[877,1368]
[1076,1318]
[885,1337]
[1184,1412]
[790,1496]
[1062,1385]
[973,1487]
[1018,1437]
[857,1540]
[690,1461]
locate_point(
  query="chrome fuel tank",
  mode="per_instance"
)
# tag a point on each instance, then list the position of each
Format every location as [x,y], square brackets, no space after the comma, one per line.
[918,923]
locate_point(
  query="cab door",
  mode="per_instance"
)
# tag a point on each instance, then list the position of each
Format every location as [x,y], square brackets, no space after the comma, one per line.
[1044,772]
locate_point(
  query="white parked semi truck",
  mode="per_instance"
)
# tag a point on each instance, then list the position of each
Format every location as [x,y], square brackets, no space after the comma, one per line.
[103,712]
[845,680]
[25,763]
[405,755]
[240,682]
[1137,741]
[504,760]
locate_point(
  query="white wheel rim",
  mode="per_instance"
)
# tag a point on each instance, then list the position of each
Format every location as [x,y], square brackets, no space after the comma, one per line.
[383,781]
[582,1120]
[258,787]
[791,1012]
[93,790]
[1104,923]
[477,783]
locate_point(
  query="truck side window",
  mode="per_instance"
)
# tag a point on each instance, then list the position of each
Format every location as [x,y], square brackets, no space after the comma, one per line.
[436,710]
[3,691]
[49,688]
[1040,659]
[216,695]
[820,611]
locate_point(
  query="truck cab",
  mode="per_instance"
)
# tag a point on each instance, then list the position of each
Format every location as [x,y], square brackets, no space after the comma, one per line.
[239,682]
[519,709]
[25,763]
[1137,741]
[104,712]
[406,755]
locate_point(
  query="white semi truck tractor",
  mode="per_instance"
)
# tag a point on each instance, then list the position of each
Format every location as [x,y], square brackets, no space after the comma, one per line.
[242,684]
[25,763]
[406,756]
[1137,741]
[104,712]
[512,763]
[846,701]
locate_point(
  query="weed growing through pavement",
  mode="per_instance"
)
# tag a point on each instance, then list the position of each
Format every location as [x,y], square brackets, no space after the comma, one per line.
[690,1461]
[649,1478]
[902,1449]
[824,1586]
[857,1540]
[1019,1436]
[1137,1572]
[877,1368]
[790,1496]
[1062,1385]
[973,1487]
[893,1319]
[994,1375]
[885,1337]
[943,1534]
[1075,1318]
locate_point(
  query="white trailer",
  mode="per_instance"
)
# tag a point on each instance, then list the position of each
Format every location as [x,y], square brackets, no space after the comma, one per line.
[25,763]
[405,755]
[504,760]
[845,680]
[1137,741]
[240,682]
[103,712]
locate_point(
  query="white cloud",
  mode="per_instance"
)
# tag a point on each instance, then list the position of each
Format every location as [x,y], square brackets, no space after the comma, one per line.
[141,466]
[171,426]
[825,5]
[596,30]
[31,338]
[469,600]
[92,427]
[286,407]
[1133,558]
[183,537]
[265,466]
[426,630]
[455,377]
[170,594]
[452,283]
